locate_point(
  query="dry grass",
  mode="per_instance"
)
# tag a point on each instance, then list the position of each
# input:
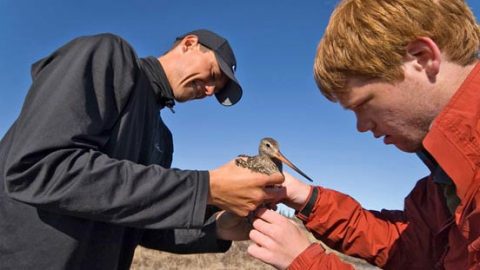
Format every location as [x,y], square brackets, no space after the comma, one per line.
[235,258]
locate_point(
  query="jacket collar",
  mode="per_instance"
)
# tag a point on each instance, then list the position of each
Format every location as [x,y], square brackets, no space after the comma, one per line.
[454,138]
[159,81]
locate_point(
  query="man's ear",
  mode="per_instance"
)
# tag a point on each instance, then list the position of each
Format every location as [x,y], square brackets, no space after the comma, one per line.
[426,56]
[189,42]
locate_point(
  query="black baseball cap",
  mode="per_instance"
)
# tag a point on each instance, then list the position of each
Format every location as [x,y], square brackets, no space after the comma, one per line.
[232,91]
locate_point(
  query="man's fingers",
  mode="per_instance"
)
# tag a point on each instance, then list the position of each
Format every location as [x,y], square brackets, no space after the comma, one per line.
[269,216]
[263,254]
[275,193]
[259,252]
[260,238]
[275,179]
[267,228]
[241,212]
[254,250]
[261,225]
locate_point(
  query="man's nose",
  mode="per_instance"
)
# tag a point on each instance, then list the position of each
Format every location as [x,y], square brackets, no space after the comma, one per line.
[364,125]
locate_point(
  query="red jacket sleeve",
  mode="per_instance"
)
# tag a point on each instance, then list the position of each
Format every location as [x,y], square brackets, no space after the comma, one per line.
[388,239]
[314,257]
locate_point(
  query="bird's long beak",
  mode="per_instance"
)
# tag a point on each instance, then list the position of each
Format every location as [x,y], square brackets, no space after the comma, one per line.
[282,158]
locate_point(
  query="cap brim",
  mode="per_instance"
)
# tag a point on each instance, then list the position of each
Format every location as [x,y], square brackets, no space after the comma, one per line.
[232,91]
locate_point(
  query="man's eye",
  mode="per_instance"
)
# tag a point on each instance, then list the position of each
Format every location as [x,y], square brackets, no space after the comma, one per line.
[360,106]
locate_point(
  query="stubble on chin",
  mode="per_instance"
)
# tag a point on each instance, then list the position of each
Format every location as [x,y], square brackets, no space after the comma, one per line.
[411,145]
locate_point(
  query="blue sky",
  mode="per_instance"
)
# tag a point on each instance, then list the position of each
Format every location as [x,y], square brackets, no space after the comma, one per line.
[274,43]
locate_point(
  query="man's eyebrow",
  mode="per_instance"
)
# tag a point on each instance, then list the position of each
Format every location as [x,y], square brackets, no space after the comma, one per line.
[349,105]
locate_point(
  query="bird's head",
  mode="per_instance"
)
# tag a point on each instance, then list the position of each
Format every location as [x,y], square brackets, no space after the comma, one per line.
[269,147]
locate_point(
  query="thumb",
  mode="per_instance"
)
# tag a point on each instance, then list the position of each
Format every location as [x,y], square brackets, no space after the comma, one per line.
[275,179]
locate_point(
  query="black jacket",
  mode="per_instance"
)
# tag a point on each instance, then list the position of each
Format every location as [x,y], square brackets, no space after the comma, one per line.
[84,167]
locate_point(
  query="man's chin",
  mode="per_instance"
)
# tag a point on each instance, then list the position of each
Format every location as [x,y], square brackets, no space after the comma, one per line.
[408,148]
[181,99]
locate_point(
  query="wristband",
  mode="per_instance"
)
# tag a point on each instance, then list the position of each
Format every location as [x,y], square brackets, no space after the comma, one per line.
[307,209]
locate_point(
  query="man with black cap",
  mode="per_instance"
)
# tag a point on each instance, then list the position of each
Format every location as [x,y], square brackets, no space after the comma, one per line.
[85,169]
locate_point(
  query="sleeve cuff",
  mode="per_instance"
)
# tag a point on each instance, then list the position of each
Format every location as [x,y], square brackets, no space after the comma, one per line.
[219,245]
[307,208]
[305,259]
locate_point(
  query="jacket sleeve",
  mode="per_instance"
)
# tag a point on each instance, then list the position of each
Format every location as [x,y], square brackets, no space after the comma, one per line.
[314,257]
[187,241]
[54,159]
[388,239]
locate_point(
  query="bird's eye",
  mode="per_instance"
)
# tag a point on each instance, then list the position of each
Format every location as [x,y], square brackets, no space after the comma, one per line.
[268,145]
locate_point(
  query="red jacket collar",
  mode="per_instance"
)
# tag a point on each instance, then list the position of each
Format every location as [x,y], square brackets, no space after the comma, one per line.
[454,138]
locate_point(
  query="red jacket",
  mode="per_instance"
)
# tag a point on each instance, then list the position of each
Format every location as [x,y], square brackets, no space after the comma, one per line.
[424,235]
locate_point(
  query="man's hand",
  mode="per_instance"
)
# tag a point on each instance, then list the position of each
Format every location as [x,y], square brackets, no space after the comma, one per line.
[232,227]
[296,192]
[239,190]
[277,240]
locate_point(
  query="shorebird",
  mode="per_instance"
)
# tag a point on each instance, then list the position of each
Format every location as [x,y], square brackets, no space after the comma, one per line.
[269,159]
